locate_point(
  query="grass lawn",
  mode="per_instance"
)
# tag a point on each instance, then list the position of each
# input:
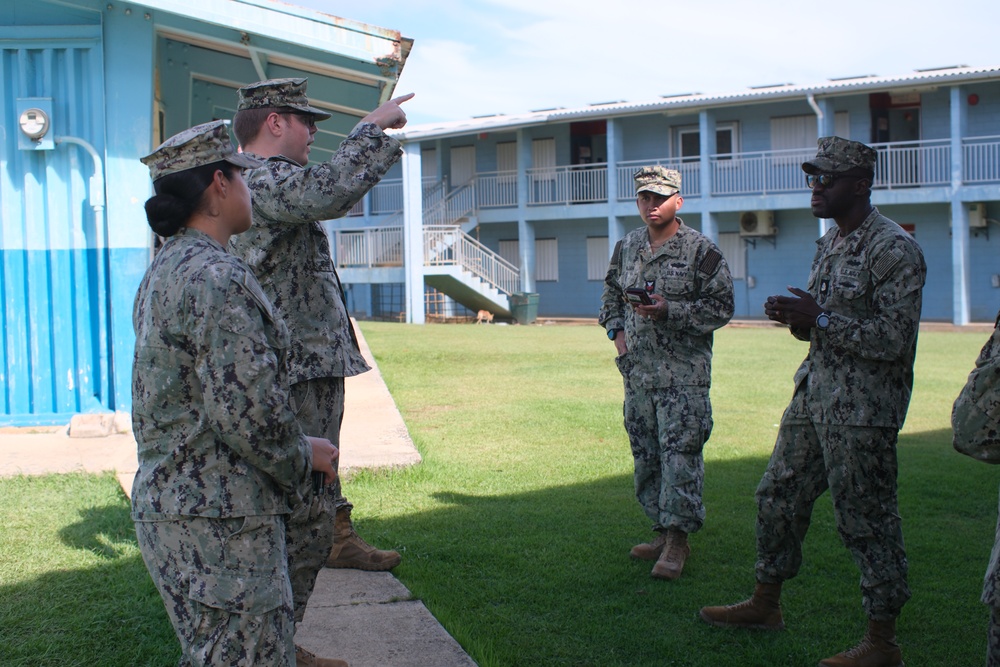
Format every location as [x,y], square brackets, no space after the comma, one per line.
[515,529]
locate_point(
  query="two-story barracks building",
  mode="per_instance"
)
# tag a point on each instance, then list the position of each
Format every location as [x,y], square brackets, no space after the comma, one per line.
[551,191]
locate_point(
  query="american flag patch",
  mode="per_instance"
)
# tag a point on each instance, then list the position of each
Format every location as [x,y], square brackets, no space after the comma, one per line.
[886,262]
[710,262]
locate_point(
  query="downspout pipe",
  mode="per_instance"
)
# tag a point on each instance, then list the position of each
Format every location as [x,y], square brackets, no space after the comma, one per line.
[97,202]
[811,99]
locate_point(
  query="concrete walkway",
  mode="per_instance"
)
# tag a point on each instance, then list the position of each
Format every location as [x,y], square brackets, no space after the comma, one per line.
[365,618]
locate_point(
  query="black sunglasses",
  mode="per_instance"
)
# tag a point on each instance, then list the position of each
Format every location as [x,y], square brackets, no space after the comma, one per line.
[826,180]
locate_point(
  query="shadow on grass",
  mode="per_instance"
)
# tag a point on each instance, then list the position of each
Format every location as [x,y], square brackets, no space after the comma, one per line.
[108,615]
[544,577]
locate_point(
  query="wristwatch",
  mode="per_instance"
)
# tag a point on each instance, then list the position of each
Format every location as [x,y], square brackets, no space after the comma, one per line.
[823,321]
[612,333]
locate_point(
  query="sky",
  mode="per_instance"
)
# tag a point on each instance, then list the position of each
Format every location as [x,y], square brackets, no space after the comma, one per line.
[483,57]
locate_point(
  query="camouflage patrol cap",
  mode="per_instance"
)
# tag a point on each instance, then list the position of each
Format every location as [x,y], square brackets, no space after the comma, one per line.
[658,179]
[289,93]
[835,155]
[200,145]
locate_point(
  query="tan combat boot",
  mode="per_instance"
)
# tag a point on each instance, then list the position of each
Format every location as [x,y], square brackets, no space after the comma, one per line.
[670,564]
[304,658]
[878,648]
[761,612]
[649,550]
[350,551]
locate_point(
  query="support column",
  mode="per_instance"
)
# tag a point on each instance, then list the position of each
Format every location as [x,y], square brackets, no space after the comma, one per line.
[706,131]
[959,215]
[413,233]
[616,228]
[525,230]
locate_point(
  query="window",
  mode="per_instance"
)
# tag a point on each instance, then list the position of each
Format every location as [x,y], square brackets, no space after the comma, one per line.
[510,251]
[428,164]
[463,165]
[597,257]
[546,260]
[733,249]
[543,157]
[689,142]
[507,161]
[791,132]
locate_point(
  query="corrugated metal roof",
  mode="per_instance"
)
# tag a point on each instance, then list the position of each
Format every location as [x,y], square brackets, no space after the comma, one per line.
[831,88]
[288,23]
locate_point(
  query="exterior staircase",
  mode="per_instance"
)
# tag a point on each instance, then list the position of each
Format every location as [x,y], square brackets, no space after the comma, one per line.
[455,263]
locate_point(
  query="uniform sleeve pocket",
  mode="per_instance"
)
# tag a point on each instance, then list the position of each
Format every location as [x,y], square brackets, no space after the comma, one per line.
[237,594]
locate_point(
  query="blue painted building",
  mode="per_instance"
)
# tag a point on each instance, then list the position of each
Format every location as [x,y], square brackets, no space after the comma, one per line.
[551,191]
[87,88]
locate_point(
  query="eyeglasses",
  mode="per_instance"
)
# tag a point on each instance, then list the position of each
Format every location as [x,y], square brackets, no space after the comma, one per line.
[826,180]
[306,119]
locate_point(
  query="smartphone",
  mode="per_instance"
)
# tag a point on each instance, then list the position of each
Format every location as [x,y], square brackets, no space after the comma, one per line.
[638,296]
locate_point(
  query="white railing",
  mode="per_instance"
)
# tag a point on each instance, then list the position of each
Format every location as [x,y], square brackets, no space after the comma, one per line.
[913,164]
[690,176]
[495,189]
[573,184]
[446,245]
[454,207]
[981,159]
[367,248]
[443,245]
[386,197]
[763,172]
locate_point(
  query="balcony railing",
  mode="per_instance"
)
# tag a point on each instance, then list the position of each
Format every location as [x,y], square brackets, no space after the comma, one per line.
[981,159]
[690,176]
[900,165]
[913,164]
[367,248]
[574,184]
[496,189]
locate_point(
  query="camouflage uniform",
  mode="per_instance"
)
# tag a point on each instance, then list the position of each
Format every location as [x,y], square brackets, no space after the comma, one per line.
[221,456]
[850,399]
[289,251]
[975,421]
[667,369]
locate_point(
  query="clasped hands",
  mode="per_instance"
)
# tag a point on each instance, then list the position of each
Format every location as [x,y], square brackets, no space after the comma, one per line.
[799,311]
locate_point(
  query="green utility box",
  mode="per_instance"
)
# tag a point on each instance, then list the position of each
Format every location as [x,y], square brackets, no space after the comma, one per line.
[524,307]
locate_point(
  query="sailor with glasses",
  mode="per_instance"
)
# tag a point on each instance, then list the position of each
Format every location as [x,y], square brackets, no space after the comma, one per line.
[860,314]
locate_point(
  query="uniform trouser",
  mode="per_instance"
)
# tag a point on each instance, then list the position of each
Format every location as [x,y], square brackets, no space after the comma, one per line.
[319,409]
[993,639]
[858,465]
[225,586]
[668,429]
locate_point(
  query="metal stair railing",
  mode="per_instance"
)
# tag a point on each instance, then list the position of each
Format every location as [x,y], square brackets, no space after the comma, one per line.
[446,245]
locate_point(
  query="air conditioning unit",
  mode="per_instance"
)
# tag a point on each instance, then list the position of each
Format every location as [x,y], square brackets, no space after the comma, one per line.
[977,215]
[757,223]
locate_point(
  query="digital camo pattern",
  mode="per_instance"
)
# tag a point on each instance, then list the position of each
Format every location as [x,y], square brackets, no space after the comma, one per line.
[975,422]
[319,409]
[836,155]
[225,587]
[667,430]
[279,93]
[675,350]
[859,372]
[858,465]
[668,367]
[850,399]
[200,145]
[657,179]
[993,639]
[215,434]
[289,251]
